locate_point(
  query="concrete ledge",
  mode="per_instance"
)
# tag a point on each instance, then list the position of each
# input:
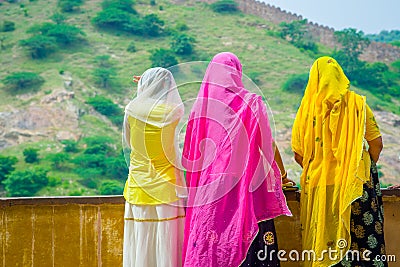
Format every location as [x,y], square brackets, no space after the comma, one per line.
[118,199]
[88,231]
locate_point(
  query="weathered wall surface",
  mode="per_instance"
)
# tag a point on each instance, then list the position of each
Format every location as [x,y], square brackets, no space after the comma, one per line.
[62,232]
[88,231]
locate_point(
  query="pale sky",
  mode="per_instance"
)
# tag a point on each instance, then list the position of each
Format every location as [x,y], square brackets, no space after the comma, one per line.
[369,16]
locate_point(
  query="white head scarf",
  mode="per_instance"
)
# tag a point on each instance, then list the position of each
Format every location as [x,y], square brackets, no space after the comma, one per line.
[156,87]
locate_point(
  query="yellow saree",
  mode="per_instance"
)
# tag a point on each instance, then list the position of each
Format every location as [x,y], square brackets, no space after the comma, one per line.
[328,134]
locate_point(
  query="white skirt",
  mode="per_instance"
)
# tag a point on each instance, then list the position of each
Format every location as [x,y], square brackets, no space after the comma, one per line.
[153,235]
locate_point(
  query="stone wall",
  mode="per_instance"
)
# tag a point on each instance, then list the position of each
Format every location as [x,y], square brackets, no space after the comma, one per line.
[88,231]
[375,52]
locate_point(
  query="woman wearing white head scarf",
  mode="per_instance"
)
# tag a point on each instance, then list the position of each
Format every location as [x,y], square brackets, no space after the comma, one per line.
[154,216]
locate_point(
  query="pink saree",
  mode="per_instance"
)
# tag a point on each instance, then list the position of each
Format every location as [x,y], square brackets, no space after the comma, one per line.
[232,177]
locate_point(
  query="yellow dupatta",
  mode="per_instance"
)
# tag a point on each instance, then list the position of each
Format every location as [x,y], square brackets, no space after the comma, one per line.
[328,133]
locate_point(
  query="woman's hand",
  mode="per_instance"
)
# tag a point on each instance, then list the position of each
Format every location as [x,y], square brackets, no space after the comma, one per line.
[136,78]
[394,187]
[286,181]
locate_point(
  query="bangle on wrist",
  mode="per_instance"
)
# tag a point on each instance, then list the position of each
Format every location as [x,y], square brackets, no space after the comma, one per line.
[283,176]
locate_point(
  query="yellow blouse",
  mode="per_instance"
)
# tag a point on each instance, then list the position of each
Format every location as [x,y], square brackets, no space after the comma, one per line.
[151,179]
[372,129]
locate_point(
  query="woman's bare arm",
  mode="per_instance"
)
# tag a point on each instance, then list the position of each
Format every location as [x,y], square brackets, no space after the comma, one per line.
[375,148]
[279,162]
[298,159]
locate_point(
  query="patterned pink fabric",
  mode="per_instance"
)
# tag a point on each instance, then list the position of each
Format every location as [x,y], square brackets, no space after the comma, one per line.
[233,179]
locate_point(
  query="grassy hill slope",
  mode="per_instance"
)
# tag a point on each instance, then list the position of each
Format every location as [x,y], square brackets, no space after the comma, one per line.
[270,59]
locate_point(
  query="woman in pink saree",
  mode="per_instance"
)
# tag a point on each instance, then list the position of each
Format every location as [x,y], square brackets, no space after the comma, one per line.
[233,180]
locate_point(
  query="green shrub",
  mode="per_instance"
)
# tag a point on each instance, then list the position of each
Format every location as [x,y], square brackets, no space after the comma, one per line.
[91,176]
[58,159]
[104,76]
[64,34]
[112,18]
[77,192]
[153,25]
[163,58]
[40,46]
[70,146]
[181,26]
[131,47]
[296,33]
[111,188]
[296,83]
[254,76]
[395,43]
[182,44]
[8,26]
[22,80]
[116,167]
[58,18]
[123,5]
[54,181]
[6,166]
[31,155]
[26,183]
[105,73]
[105,106]
[225,6]
[69,5]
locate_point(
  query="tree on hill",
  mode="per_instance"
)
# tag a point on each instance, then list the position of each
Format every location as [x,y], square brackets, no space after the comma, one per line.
[120,15]
[116,167]
[26,183]
[69,5]
[296,83]
[8,26]
[353,42]
[111,188]
[48,36]
[385,36]
[31,155]
[63,33]
[113,18]
[58,18]
[153,25]
[225,6]
[21,80]
[376,77]
[163,58]
[58,159]
[297,34]
[40,46]
[104,73]
[124,5]
[6,166]
[182,44]
[70,146]
[107,108]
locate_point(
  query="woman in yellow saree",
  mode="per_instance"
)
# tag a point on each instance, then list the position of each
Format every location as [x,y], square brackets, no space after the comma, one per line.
[336,140]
